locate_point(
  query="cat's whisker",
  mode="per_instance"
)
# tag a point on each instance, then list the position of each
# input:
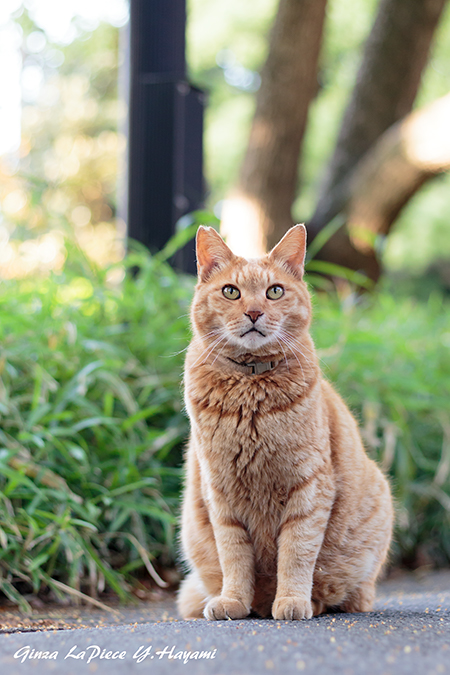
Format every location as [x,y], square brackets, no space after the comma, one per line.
[296,351]
[293,342]
[303,346]
[203,352]
[294,354]
[215,344]
[292,351]
[217,356]
[288,337]
[171,356]
[282,349]
[209,349]
[287,343]
[299,351]
[311,351]
[214,331]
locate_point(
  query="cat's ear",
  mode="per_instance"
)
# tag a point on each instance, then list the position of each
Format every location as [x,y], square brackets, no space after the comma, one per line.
[291,250]
[212,252]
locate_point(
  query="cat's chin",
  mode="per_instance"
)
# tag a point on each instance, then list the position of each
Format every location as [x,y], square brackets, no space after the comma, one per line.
[248,350]
[253,342]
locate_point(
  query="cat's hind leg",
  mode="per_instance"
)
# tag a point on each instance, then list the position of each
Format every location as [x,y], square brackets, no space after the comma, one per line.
[360,599]
[192,597]
[318,607]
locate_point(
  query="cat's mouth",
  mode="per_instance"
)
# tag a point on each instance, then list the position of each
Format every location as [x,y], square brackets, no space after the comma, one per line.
[253,330]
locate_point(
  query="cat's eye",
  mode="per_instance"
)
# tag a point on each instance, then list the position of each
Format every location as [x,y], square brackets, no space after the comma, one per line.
[275,292]
[231,292]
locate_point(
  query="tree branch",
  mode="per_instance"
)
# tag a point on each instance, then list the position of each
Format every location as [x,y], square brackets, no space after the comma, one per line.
[404,158]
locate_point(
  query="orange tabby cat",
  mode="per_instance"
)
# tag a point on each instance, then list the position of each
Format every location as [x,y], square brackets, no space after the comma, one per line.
[284,514]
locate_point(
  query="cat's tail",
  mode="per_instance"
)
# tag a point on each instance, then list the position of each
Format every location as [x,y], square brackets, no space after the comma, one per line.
[192,597]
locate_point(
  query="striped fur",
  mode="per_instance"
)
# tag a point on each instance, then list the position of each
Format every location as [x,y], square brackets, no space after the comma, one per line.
[283,512]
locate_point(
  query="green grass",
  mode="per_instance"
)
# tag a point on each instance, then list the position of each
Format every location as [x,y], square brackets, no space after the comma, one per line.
[390,359]
[92,423]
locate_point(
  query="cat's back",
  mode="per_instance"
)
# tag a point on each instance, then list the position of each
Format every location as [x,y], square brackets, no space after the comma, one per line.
[349,457]
[362,490]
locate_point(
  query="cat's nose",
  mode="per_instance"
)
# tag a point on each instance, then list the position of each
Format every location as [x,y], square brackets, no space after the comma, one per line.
[254,315]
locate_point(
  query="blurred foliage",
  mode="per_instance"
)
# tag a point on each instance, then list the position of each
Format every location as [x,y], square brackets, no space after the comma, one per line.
[63,180]
[422,234]
[91,423]
[71,157]
[389,356]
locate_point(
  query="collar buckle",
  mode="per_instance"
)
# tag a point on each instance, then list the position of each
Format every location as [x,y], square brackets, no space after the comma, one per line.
[258,367]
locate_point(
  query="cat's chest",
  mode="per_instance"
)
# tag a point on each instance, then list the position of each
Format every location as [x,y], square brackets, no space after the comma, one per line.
[250,472]
[254,437]
[253,453]
[249,420]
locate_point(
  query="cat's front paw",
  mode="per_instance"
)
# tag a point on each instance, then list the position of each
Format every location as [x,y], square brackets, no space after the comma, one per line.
[291,609]
[222,608]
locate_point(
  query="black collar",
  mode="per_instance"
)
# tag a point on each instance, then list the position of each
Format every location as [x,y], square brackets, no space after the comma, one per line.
[255,367]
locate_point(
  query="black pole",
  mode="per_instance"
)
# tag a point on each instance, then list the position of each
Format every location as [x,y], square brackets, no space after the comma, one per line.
[165,161]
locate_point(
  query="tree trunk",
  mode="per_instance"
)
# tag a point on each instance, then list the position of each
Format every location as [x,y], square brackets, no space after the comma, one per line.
[258,212]
[395,55]
[408,154]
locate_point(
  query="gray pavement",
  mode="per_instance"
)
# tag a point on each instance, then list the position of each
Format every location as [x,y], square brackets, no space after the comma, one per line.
[408,633]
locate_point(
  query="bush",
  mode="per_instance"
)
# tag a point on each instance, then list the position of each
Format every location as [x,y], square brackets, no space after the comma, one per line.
[389,357]
[92,424]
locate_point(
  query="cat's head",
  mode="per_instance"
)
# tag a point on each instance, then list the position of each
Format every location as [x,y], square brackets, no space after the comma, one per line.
[250,306]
